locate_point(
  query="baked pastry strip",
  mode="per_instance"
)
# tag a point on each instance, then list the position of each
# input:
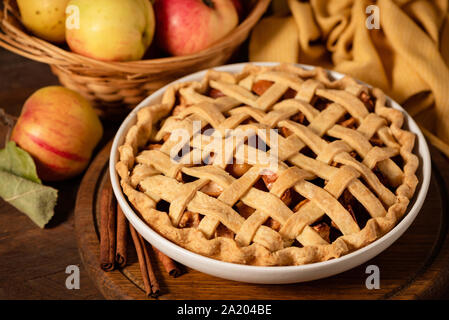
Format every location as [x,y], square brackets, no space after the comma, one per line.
[385,122]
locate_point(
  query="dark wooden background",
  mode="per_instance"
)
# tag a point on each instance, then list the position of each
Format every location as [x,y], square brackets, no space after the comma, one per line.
[33,261]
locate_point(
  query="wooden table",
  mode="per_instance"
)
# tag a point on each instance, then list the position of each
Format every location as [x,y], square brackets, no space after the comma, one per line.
[33,261]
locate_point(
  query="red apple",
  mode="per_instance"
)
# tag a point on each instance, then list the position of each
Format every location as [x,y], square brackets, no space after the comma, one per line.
[240,9]
[189,26]
[60,129]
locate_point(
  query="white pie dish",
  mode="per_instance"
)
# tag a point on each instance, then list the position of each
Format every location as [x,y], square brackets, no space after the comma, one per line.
[272,275]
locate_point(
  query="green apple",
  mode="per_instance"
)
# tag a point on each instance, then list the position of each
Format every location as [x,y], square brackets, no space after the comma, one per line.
[111,30]
[44,18]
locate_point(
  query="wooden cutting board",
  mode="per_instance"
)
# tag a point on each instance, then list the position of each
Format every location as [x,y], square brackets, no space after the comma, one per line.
[414,267]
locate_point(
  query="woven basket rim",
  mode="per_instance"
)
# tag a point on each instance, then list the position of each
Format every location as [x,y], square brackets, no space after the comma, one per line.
[68,58]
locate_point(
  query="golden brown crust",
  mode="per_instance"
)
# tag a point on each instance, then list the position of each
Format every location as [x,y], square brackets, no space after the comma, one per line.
[148,176]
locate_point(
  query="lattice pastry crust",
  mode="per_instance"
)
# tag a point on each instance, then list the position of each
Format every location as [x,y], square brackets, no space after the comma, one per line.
[345,168]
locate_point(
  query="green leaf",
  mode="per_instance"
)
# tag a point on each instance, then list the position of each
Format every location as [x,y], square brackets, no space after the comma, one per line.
[17,161]
[35,200]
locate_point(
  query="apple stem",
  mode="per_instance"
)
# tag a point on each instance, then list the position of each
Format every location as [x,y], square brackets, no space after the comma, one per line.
[209,3]
[9,121]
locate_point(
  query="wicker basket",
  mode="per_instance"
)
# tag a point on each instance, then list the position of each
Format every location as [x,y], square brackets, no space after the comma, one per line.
[116,87]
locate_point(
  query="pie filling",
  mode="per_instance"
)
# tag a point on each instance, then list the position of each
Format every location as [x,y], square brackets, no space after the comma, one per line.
[326,228]
[346,172]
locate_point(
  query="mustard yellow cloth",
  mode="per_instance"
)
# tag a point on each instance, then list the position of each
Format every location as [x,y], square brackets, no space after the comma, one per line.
[407,57]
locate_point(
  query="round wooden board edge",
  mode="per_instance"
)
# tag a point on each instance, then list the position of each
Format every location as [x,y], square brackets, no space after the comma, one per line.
[106,282]
[435,273]
[431,281]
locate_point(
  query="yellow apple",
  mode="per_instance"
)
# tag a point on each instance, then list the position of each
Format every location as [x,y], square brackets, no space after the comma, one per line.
[45,18]
[111,30]
[60,129]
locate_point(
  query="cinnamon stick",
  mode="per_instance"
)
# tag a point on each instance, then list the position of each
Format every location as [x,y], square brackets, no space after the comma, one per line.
[107,227]
[121,255]
[170,266]
[153,281]
[149,279]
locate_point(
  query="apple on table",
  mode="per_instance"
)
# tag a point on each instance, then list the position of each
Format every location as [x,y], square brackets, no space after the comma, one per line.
[59,129]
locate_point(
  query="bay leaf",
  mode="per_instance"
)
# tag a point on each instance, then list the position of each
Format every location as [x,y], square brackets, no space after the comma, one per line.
[35,200]
[17,161]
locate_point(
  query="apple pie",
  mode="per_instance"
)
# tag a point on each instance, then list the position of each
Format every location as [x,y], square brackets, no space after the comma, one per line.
[318,167]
